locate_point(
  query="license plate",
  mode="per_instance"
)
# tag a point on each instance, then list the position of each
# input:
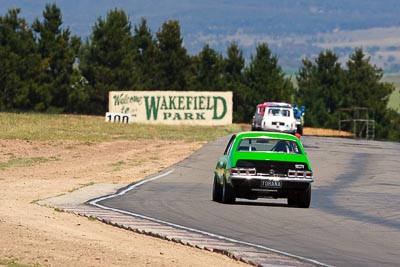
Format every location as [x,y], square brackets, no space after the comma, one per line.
[271,184]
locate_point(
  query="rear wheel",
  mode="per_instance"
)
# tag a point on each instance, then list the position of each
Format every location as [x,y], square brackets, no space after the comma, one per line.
[228,194]
[216,191]
[292,201]
[300,129]
[304,199]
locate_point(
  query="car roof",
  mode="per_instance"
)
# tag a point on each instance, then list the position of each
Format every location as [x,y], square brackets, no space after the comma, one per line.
[275,104]
[255,134]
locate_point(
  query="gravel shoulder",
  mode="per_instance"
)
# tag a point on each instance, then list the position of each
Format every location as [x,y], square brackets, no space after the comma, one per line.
[35,235]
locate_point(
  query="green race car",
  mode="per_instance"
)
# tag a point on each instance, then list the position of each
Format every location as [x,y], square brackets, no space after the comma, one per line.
[263,164]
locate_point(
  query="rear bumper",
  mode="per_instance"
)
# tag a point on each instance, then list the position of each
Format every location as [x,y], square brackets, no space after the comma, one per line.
[280,130]
[272,178]
[250,186]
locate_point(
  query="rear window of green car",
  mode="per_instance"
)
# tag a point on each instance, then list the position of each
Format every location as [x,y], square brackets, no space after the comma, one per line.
[268,145]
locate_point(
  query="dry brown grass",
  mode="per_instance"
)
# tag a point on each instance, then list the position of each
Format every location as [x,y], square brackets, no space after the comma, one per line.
[325,132]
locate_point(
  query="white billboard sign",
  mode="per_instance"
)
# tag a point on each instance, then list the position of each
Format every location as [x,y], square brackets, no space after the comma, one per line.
[173,107]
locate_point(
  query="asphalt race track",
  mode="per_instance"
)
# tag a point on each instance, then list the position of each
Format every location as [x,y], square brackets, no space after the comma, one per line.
[354,218]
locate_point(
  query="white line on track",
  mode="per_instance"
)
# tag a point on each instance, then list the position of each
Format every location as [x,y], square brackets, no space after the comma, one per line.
[123,192]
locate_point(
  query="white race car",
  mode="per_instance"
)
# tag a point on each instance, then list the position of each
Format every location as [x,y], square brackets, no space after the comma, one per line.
[274,116]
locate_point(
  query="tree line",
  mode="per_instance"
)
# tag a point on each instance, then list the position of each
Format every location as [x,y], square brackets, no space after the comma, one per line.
[44,68]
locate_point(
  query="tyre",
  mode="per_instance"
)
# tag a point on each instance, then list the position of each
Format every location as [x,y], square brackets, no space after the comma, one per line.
[292,201]
[228,194]
[216,191]
[304,199]
[300,129]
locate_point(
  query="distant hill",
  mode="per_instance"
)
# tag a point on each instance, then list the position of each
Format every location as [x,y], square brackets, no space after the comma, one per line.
[294,29]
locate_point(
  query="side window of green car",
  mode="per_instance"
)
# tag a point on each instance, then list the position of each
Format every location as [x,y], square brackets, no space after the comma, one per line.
[230,144]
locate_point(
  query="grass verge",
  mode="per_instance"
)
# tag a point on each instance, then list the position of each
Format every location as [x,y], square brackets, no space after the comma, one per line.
[13,263]
[43,127]
[22,162]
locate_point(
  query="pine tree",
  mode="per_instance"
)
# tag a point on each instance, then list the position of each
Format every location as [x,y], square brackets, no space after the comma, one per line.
[266,80]
[209,67]
[321,87]
[234,63]
[172,61]
[234,67]
[58,55]
[108,59]
[19,64]
[146,55]
[365,89]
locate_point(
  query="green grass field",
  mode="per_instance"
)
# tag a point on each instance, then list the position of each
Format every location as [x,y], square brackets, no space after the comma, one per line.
[93,129]
[394,100]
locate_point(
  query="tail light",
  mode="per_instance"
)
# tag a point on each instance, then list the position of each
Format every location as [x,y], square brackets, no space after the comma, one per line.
[300,174]
[244,171]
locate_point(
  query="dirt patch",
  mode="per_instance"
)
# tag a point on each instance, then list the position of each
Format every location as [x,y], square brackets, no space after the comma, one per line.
[36,235]
[33,234]
[325,132]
